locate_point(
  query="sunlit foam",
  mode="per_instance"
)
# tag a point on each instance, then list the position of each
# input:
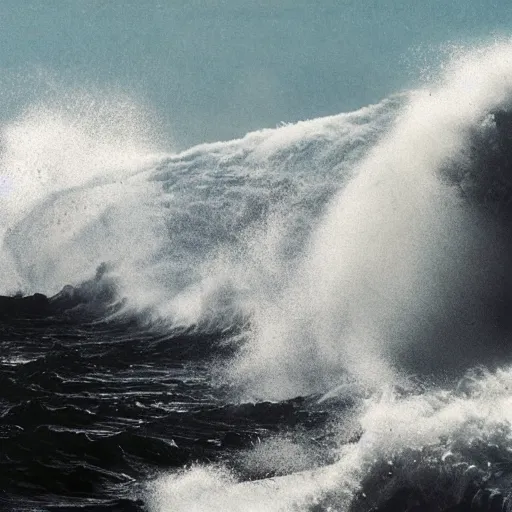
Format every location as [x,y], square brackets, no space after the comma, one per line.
[400,263]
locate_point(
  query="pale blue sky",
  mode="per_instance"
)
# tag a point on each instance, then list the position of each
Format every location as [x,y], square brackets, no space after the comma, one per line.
[216,69]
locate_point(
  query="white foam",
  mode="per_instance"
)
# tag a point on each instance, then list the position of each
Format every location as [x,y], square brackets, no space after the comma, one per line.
[434,440]
[398,260]
[197,236]
[52,154]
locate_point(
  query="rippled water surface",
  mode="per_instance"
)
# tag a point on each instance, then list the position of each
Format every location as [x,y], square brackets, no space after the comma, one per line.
[88,412]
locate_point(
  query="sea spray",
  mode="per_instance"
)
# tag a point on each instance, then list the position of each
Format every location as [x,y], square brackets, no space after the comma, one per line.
[400,272]
[197,238]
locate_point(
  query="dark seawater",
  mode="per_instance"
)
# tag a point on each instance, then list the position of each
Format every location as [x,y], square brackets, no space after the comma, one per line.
[89,411]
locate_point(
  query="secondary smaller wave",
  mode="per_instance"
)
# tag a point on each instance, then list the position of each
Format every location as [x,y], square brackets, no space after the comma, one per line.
[441,448]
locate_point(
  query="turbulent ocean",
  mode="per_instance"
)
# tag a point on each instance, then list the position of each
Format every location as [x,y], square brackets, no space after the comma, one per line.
[314,317]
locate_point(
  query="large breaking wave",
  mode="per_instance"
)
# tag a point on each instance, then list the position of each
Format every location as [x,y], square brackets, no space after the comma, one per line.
[357,255]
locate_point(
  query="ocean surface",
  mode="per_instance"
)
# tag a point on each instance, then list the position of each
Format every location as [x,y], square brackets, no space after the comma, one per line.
[314,317]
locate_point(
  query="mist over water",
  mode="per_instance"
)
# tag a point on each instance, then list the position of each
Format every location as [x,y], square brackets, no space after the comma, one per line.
[362,255]
[75,176]
[403,273]
[53,152]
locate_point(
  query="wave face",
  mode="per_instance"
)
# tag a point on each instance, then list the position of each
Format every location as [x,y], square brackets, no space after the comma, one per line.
[198,237]
[363,255]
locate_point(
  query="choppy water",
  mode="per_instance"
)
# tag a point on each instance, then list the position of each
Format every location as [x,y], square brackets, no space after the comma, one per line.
[89,411]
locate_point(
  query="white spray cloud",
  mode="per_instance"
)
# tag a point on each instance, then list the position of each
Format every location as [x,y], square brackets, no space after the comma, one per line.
[398,260]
